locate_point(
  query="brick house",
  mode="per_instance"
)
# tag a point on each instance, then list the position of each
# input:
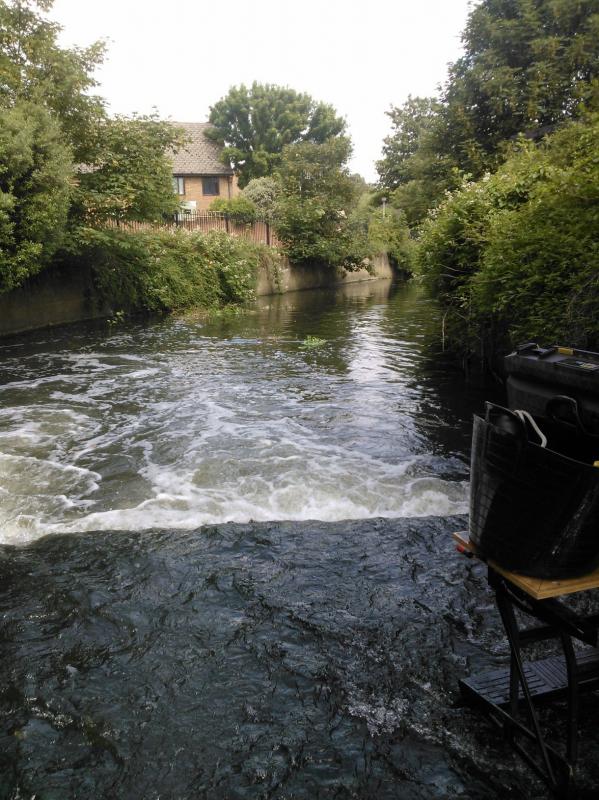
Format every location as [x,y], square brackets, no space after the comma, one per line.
[199,176]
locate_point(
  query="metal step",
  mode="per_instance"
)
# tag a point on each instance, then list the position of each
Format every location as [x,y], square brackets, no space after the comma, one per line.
[547,680]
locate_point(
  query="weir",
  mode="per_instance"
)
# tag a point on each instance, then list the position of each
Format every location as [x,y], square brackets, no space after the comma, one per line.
[314,405]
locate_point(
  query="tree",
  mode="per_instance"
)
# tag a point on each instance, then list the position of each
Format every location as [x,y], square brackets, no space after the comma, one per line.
[263,193]
[412,171]
[49,122]
[35,190]
[313,215]
[129,176]
[528,66]
[255,124]
[126,173]
[35,69]
[411,123]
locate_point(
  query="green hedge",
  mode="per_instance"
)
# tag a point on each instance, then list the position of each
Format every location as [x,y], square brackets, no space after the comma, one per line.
[239,209]
[515,256]
[170,270]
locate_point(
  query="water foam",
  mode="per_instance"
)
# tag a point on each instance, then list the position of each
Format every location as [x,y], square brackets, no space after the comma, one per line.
[178,503]
[200,430]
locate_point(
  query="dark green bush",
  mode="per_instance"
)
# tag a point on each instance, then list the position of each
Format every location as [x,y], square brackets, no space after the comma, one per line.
[313,213]
[516,255]
[540,268]
[35,191]
[239,209]
[163,270]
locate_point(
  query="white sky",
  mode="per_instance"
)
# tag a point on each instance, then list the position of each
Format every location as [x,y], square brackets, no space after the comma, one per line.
[181,57]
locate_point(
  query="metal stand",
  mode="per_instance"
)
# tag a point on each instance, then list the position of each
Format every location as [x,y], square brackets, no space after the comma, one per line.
[504,694]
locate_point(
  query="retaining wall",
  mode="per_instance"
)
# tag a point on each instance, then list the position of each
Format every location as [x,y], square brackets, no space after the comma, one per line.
[52,298]
[294,277]
[56,298]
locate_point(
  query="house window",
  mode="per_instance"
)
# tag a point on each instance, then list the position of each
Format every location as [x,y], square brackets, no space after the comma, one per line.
[178,184]
[210,186]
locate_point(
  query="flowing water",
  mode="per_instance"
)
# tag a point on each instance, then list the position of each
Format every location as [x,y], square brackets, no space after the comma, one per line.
[226,561]
[313,406]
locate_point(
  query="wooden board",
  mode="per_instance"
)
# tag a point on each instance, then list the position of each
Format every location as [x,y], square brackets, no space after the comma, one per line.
[535,587]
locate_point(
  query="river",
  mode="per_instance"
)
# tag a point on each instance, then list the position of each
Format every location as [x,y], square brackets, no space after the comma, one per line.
[226,559]
[316,405]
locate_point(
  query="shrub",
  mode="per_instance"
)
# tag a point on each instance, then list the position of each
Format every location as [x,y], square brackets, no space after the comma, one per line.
[540,267]
[516,256]
[167,270]
[35,191]
[263,193]
[239,209]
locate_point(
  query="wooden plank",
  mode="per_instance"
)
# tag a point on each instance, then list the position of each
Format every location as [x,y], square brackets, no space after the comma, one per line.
[535,587]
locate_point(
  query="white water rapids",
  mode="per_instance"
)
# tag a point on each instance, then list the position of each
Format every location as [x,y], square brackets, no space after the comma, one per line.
[178,424]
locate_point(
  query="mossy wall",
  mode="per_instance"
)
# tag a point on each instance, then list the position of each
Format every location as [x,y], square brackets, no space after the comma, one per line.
[52,298]
[296,277]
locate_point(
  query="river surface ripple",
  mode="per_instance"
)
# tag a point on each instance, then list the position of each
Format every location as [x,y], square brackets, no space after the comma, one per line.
[317,405]
[159,645]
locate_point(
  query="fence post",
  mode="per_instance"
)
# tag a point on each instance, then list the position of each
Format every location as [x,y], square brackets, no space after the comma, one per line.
[227,223]
[268,233]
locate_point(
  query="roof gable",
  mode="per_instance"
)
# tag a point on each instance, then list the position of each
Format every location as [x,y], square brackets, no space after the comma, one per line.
[201,156]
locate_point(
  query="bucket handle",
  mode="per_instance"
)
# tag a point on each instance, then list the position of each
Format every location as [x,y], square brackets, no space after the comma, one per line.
[526,417]
[561,403]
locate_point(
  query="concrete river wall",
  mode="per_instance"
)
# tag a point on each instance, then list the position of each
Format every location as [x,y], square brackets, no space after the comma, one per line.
[55,298]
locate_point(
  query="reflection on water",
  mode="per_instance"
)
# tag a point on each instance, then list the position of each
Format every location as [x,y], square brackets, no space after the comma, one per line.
[182,422]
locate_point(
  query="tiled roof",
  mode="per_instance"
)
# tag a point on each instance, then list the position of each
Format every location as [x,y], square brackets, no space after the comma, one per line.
[200,156]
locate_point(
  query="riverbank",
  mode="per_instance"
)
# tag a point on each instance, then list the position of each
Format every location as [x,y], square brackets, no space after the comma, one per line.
[208,271]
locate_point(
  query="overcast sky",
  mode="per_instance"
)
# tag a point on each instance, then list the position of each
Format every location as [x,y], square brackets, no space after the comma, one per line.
[181,57]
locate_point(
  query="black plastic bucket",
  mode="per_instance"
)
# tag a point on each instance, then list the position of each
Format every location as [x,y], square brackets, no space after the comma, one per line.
[532,510]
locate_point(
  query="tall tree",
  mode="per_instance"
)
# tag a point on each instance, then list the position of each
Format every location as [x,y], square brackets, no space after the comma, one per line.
[129,176]
[412,171]
[255,124]
[35,191]
[411,123]
[528,66]
[313,213]
[49,123]
[35,69]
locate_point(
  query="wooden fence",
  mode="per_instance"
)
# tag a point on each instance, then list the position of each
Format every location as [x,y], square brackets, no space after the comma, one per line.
[259,231]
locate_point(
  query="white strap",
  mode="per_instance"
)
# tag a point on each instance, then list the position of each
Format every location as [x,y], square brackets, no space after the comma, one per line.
[526,417]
